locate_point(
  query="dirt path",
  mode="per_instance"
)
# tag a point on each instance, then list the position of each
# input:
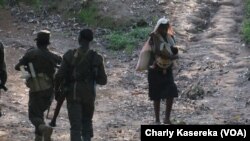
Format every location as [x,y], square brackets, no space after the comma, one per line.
[214,58]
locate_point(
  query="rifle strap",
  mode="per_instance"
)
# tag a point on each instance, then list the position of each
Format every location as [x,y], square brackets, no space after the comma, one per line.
[76,55]
[81,59]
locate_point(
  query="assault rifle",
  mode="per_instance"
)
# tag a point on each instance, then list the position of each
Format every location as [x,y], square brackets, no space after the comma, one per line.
[59,104]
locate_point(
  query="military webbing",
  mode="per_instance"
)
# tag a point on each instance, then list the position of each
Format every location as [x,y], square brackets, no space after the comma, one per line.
[81,59]
[76,54]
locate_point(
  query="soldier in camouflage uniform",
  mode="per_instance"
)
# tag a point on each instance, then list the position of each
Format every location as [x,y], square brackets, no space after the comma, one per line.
[3,72]
[42,63]
[80,71]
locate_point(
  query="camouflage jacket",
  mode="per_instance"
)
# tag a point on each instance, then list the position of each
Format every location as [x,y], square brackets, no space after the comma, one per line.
[43,61]
[79,73]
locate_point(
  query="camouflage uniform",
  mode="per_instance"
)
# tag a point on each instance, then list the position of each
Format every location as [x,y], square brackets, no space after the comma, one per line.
[81,74]
[44,63]
[3,73]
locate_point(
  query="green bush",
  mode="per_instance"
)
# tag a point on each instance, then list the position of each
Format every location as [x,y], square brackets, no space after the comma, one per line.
[140,32]
[246,30]
[2,3]
[246,23]
[247,8]
[89,15]
[119,40]
[30,2]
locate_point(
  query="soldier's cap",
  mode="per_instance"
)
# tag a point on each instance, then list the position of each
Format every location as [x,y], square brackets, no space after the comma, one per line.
[86,34]
[43,35]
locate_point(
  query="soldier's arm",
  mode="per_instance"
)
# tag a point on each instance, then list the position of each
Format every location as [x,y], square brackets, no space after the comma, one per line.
[101,76]
[61,74]
[23,61]
[3,72]
[2,62]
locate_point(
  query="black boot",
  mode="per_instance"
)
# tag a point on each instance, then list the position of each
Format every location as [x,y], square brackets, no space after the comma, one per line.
[46,131]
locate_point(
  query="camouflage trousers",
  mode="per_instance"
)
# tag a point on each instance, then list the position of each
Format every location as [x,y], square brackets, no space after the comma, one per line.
[39,102]
[80,117]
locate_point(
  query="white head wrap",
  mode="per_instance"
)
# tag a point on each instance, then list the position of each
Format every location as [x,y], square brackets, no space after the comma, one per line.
[160,21]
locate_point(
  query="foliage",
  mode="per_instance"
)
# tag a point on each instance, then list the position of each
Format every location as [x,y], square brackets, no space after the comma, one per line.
[246,23]
[90,16]
[247,8]
[119,40]
[2,3]
[246,30]
[32,2]
[36,3]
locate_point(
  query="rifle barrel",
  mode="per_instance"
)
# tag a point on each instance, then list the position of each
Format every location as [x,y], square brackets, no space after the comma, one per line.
[57,111]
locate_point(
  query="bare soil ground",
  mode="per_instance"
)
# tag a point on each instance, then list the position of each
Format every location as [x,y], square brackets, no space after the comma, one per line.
[211,75]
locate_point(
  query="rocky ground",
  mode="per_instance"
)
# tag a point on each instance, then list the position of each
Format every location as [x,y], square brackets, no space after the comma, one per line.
[211,74]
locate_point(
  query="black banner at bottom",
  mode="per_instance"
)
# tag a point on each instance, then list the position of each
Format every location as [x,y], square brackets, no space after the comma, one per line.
[195,132]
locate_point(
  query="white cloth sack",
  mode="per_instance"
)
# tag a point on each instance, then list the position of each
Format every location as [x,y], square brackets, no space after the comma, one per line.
[144,57]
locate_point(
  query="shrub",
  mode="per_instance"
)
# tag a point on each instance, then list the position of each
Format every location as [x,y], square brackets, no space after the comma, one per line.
[119,40]
[2,3]
[246,22]
[246,30]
